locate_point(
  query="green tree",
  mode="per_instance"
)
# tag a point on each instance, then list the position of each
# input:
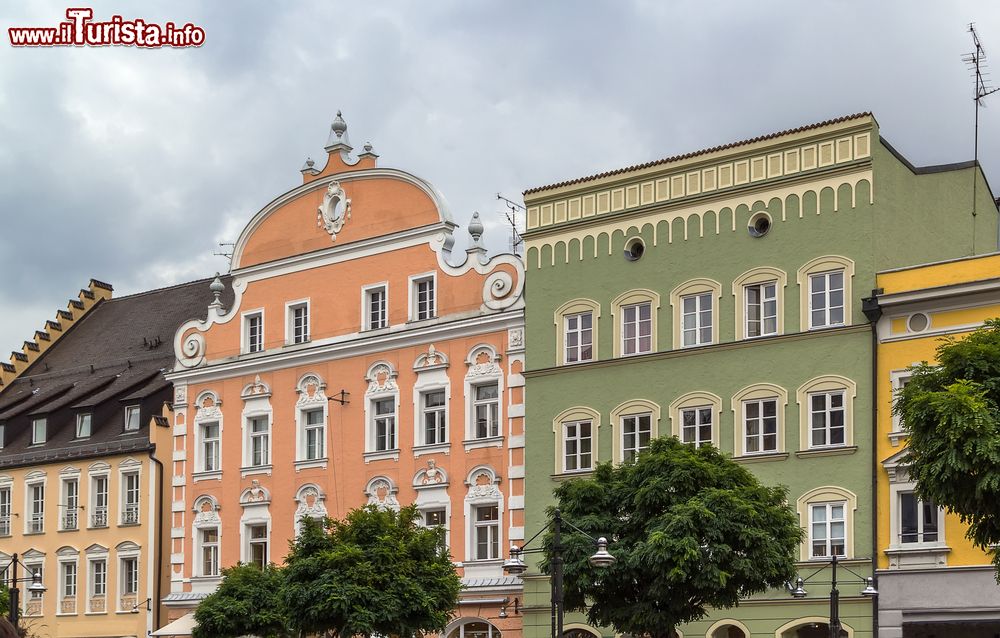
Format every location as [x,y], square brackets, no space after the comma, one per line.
[377,572]
[247,602]
[690,529]
[4,600]
[951,412]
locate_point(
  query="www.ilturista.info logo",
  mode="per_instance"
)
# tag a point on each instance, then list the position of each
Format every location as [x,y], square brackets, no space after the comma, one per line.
[80,30]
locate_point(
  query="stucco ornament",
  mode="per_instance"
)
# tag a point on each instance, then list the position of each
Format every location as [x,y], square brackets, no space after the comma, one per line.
[334,211]
[256,493]
[382,495]
[432,474]
[310,504]
[484,487]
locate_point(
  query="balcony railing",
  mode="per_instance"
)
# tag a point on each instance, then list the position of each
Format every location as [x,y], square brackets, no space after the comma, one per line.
[131,515]
[70,520]
[99,518]
[36,524]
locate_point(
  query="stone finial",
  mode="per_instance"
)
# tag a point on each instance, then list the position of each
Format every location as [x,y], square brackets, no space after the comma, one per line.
[338,136]
[476,227]
[217,288]
[309,168]
[368,151]
[339,126]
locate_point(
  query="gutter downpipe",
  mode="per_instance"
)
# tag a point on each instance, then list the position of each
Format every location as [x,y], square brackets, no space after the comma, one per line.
[159,539]
[873,312]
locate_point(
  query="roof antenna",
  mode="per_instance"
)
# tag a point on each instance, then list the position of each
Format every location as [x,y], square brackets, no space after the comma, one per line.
[227,251]
[516,241]
[976,62]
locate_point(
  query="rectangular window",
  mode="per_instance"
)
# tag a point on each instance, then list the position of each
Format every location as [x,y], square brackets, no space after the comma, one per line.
[38,427]
[83,425]
[210,552]
[696,425]
[826,418]
[69,580]
[375,309]
[4,511]
[71,503]
[827,530]
[637,329]
[424,293]
[577,446]
[258,545]
[435,518]
[486,406]
[760,426]
[260,436]
[130,498]
[636,432]
[131,418]
[918,520]
[36,519]
[385,424]
[253,329]
[210,447]
[298,319]
[435,428]
[98,579]
[761,309]
[99,516]
[487,532]
[579,337]
[696,320]
[826,299]
[130,576]
[314,435]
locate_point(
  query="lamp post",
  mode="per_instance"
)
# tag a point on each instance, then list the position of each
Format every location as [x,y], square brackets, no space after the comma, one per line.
[514,565]
[798,591]
[36,587]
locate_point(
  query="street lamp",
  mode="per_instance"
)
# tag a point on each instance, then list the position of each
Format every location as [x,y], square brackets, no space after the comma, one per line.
[798,591]
[36,587]
[514,565]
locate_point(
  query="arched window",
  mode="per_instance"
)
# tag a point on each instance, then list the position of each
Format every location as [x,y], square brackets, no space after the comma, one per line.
[695,306]
[634,423]
[728,629]
[634,314]
[760,302]
[576,323]
[826,414]
[759,415]
[825,292]
[696,418]
[827,514]
[473,628]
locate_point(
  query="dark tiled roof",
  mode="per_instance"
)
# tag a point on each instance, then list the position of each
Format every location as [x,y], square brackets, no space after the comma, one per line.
[115,353]
[706,151]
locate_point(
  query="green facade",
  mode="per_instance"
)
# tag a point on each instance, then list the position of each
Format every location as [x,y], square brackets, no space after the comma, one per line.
[879,213]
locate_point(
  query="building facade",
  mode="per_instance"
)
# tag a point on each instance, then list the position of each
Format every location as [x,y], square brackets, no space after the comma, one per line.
[84,432]
[362,361]
[932,581]
[715,296]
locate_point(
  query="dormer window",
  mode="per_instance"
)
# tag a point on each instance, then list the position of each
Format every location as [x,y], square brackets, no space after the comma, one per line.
[83,425]
[38,430]
[131,418]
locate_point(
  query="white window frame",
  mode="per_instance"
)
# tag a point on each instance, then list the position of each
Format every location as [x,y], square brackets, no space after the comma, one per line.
[762,305]
[36,430]
[898,380]
[129,411]
[477,403]
[636,340]
[366,300]
[759,276]
[828,523]
[252,438]
[64,593]
[131,512]
[92,583]
[27,598]
[699,327]
[578,438]
[375,418]
[245,343]
[200,448]
[827,413]
[69,503]
[441,420]
[81,419]
[699,412]
[415,281]
[6,504]
[920,540]
[34,521]
[305,427]
[95,513]
[579,332]
[251,542]
[291,336]
[202,546]
[493,532]
[630,453]
[123,575]
[827,306]
[761,434]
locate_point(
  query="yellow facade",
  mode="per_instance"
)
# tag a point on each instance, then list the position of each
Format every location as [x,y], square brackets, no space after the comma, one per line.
[952,298]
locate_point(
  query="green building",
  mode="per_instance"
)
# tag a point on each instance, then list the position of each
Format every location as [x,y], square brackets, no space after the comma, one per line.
[716,296]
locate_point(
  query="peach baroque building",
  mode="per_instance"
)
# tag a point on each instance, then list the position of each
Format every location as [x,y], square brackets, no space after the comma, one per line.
[362,361]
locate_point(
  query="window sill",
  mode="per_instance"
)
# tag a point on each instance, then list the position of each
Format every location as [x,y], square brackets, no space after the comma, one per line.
[565,476]
[576,363]
[34,533]
[306,464]
[896,437]
[763,457]
[207,476]
[918,548]
[95,613]
[64,614]
[382,455]
[136,524]
[490,441]
[836,450]
[436,448]
[74,529]
[832,325]
[255,469]
[97,527]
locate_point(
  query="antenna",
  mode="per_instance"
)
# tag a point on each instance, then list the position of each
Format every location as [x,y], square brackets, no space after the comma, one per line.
[516,241]
[227,251]
[976,61]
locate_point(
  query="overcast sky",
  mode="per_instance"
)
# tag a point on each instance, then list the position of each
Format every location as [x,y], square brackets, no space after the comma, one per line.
[131,165]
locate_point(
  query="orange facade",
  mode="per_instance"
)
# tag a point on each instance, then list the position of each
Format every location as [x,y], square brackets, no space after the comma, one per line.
[361,361]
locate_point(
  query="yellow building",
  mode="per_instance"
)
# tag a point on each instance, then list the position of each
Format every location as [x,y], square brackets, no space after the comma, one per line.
[84,438]
[931,580]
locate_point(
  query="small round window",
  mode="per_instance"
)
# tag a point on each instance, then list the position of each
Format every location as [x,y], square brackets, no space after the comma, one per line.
[634,249]
[760,223]
[918,322]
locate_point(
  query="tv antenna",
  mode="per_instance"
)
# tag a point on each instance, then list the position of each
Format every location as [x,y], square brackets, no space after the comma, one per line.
[511,214]
[227,251]
[976,61]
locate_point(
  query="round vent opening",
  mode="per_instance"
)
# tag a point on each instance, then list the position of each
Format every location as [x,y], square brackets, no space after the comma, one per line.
[918,322]
[760,223]
[634,249]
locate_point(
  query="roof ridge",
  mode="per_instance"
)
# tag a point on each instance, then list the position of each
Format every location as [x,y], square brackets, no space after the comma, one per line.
[170,287]
[705,151]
